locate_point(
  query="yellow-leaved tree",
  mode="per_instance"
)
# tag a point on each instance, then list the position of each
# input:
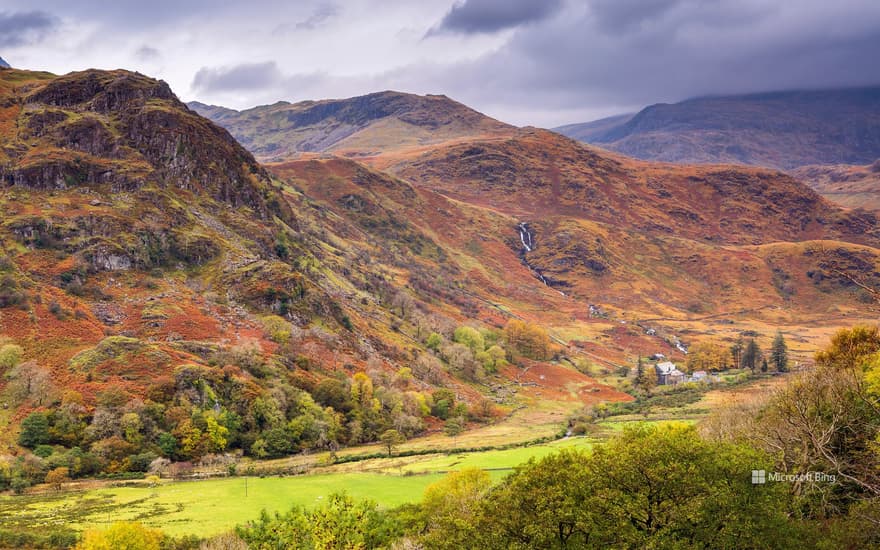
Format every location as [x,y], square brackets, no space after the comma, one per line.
[123,535]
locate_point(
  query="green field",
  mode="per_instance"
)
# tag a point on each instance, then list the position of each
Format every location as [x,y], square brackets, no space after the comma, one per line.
[205,508]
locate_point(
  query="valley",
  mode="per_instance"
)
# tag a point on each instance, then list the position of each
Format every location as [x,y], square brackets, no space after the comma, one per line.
[286,295]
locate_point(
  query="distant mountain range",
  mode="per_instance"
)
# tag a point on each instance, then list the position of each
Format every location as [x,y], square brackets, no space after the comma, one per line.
[356,126]
[4,64]
[781,130]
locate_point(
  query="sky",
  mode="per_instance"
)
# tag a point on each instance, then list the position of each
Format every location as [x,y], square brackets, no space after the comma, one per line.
[539,62]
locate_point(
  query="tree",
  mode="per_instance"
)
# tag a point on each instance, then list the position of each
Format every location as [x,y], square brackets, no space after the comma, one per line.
[650,487]
[471,338]
[30,381]
[751,357]
[433,341]
[736,351]
[461,360]
[34,430]
[640,372]
[528,340]
[449,507]
[826,419]
[342,523]
[57,477]
[647,378]
[708,355]
[10,356]
[122,536]
[454,426]
[391,439]
[428,368]
[779,353]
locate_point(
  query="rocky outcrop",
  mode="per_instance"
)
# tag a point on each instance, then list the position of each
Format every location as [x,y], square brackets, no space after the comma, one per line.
[122,130]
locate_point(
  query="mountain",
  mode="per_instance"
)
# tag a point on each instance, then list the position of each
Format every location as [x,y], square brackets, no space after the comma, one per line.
[149,266]
[4,64]
[587,131]
[154,276]
[358,126]
[781,130]
[848,185]
[646,238]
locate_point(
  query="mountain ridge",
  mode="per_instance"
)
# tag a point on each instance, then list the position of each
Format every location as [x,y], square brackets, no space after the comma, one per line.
[355,126]
[780,129]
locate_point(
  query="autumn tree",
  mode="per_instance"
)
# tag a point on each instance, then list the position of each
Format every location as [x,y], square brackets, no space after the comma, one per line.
[708,355]
[391,439]
[449,506]
[57,477]
[528,340]
[10,356]
[470,337]
[827,420]
[122,535]
[428,368]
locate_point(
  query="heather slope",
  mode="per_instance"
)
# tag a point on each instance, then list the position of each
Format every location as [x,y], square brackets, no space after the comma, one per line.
[150,267]
[653,237]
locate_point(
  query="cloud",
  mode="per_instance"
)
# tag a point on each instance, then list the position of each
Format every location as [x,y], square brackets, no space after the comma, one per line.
[321,14]
[614,54]
[565,61]
[488,16]
[21,28]
[147,53]
[247,76]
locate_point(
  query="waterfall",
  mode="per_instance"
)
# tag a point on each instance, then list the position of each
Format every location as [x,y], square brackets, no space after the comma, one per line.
[525,236]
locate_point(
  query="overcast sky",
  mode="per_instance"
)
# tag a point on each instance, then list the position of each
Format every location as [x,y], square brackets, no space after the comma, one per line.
[540,62]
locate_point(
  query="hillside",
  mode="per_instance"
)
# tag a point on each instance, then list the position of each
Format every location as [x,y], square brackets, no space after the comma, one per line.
[163,295]
[358,126]
[847,185]
[649,238]
[781,130]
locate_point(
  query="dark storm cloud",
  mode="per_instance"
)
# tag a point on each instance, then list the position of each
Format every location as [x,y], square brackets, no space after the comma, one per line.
[247,76]
[487,16]
[606,53]
[20,28]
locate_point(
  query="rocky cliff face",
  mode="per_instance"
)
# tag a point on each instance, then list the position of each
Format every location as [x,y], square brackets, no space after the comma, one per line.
[120,131]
